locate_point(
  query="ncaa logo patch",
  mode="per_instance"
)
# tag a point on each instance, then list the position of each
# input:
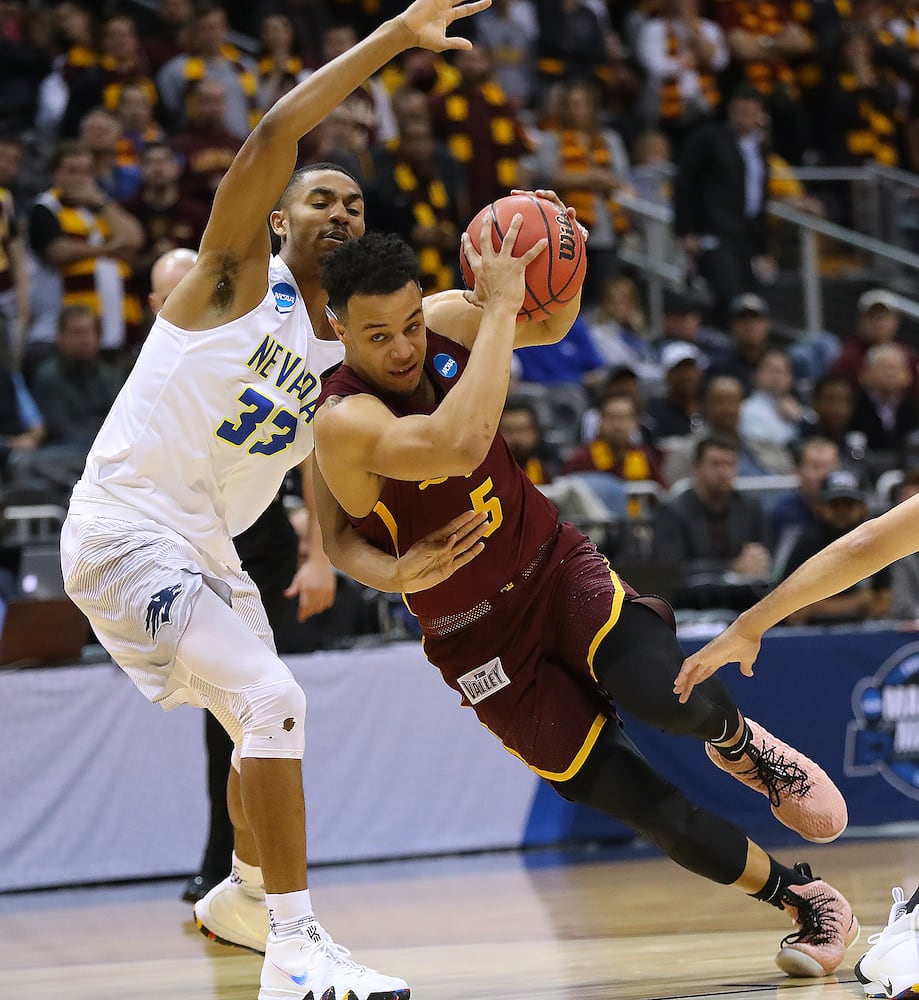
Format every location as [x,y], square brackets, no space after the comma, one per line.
[285,296]
[884,737]
[446,365]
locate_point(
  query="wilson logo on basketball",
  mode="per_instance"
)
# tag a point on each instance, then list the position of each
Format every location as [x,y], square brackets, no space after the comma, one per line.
[566,241]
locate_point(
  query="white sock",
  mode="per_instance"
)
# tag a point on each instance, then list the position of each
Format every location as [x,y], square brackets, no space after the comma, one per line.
[288,911]
[249,877]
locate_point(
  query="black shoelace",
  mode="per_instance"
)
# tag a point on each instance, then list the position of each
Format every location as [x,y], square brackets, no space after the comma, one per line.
[778,775]
[815,918]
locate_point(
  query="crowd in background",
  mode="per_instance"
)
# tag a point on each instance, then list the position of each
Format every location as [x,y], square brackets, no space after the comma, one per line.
[118,120]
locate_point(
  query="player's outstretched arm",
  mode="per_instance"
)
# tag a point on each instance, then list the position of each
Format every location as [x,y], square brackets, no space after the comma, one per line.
[259,174]
[430,561]
[855,556]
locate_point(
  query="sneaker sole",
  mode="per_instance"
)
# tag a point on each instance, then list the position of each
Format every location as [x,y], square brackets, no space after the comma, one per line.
[386,995]
[801,966]
[213,936]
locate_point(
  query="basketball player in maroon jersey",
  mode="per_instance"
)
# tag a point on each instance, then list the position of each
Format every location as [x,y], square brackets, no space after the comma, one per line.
[540,636]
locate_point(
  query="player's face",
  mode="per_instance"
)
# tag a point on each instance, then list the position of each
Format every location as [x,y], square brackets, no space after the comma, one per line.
[385,341]
[321,213]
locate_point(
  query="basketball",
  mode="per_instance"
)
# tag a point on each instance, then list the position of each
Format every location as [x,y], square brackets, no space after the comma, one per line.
[556,276]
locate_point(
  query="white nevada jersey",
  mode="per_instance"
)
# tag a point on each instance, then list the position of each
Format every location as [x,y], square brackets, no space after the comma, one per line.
[209,422]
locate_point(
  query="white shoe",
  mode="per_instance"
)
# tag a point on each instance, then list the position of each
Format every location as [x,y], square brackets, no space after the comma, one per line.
[890,968]
[230,914]
[308,965]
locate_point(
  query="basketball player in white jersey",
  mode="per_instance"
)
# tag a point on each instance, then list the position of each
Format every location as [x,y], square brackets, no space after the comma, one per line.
[217,409]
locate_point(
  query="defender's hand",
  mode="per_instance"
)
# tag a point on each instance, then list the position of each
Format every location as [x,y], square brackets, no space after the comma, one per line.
[427,22]
[732,646]
[562,207]
[314,586]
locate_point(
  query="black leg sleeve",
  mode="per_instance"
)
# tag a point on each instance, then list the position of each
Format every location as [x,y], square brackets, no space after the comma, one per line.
[637,663]
[618,781]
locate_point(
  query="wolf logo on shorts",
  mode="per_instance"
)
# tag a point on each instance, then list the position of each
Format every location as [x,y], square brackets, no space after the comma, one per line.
[159,607]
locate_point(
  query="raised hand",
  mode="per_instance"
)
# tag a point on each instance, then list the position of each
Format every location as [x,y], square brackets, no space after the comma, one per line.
[428,20]
[499,275]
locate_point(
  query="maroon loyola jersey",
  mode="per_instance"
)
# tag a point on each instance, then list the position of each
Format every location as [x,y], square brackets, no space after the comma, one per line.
[522,519]
[516,630]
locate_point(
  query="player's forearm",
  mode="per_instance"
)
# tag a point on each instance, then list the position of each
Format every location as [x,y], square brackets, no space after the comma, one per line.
[552,329]
[468,418]
[302,108]
[344,547]
[841,565]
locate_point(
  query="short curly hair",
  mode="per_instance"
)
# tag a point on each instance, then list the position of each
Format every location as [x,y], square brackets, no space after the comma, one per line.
[373,264]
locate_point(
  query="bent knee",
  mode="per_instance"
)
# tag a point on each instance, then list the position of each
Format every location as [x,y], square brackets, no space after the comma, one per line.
[275,723]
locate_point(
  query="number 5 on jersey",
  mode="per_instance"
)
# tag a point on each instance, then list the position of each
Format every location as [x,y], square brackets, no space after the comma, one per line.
[481,501]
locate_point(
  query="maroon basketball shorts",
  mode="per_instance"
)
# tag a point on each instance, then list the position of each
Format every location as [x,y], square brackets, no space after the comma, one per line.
[526,666]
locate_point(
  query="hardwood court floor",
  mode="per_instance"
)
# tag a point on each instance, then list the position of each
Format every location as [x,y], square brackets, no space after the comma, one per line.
[494,927]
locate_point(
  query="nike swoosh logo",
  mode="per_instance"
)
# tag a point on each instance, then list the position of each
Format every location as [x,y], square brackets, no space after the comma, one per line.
[888,987]
[299,980]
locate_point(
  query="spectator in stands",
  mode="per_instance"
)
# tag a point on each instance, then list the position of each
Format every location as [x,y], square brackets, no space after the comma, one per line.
[89,241]
[750,327]
[619,329]
[519,426]
[280,67]
[14,277]
[772,411]
[587,164]
[832,403]
[574,360]
[75,388]
[765,43]
[620,380]
[711,530]
[904,573]
[100,132]
[77,54]
[418,193]
[842,506]
[121,61]
[885,411]
[860,104]
[682,323]
[677,413]
[878,323]
[572,42]
[508,31]
[650,172]
[169,219]
[22,426]
[618,448]
[169,37]
[682,55]
[211,57]
[816,458]
[722,398]
[338,38]
[138,127]
[23,65]
[481,130]
[205,144]
[720,199]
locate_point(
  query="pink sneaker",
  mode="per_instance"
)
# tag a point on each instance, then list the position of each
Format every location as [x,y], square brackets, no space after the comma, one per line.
[825,926]
[801,793]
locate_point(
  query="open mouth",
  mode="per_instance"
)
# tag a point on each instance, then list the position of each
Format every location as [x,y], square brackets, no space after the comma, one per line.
[406,372]
[337,236]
